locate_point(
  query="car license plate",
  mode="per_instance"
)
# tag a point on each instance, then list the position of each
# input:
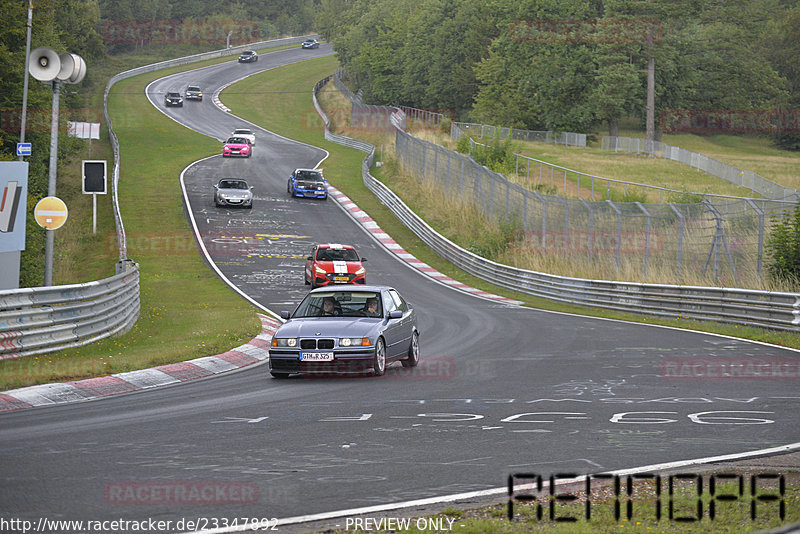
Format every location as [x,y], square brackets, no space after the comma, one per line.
[316,356]
[342,278]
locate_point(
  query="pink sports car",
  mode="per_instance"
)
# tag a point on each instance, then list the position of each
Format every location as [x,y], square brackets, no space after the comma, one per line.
[237,147]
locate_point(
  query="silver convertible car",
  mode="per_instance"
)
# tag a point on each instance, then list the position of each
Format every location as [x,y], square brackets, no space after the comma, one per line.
[233,192]
[346,330]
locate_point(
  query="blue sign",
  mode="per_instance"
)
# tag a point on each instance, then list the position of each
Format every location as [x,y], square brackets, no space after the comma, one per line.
[23,149]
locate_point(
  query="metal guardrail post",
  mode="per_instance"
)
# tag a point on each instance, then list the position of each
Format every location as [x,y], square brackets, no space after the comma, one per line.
[681,228]
[590,242]
[566,224]
[760,212]
[719,240]
[544,218]
[619,232]
[646,239]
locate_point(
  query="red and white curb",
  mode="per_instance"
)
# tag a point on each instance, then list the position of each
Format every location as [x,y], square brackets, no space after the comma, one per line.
[385,239]
[256,350]
[218,102]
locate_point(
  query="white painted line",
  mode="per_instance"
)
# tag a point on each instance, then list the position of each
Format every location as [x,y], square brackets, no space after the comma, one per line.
[504,490]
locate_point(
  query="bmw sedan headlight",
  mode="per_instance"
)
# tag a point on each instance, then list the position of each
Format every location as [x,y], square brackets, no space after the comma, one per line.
[355,342]
[284,342]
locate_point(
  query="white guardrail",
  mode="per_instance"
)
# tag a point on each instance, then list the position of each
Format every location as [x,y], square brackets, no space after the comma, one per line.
[37,320]
[46,319]
[766,309]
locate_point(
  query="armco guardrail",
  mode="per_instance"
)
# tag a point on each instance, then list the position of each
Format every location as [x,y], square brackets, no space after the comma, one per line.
[121,241]
[457,129]
[767,309]
[734,175]
[45,319]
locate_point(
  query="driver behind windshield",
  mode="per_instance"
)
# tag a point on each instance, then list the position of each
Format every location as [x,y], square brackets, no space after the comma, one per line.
[370,308]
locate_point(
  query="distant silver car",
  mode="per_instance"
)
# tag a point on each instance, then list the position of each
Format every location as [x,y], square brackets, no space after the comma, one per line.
[349,329]
[193,92]
[233,192]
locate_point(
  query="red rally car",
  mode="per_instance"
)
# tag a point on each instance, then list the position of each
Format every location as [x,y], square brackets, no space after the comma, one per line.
[331,263]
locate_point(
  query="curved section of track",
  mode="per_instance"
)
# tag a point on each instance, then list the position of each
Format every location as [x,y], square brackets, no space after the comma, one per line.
[500,389]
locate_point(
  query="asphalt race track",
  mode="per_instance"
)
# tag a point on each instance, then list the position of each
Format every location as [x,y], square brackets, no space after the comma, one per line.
[500,389]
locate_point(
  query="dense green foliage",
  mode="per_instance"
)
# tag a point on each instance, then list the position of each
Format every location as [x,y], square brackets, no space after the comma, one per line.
[82,27]
[783,249]
[489,61]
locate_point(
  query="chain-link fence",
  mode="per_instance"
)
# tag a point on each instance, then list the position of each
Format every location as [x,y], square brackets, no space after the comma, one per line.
[720,239]
[734,175]
[480,131]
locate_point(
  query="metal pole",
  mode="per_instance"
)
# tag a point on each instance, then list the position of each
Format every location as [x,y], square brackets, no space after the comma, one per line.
[619,231]
[681,228]
[590,242]
[759,257]
[646,239]
[94,213]
[25,77]
[51,184]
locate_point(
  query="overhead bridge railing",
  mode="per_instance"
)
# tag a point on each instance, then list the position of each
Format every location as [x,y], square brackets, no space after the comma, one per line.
[45,319]
[766,309]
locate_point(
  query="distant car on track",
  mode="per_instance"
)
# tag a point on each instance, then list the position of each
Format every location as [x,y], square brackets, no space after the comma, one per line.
[173,98]
[310,43]
[193,92]
[333,263]
[248,56]
[247,133]
[332,332]
[237,147]
[233,192]
[308,183]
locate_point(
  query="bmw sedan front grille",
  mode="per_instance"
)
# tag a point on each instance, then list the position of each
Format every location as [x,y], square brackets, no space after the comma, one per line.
[308,344]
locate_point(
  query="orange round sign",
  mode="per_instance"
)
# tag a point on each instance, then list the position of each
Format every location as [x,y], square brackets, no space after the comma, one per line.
[50,213]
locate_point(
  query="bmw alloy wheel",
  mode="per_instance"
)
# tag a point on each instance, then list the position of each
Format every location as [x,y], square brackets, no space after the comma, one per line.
[413,352]
[379,362]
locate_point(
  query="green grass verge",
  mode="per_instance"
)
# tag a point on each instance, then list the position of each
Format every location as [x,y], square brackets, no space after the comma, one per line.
[751,152]
[186,311]
[253,99]
[182,300]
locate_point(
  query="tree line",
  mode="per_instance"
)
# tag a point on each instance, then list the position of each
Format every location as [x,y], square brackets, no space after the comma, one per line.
[87,28]
[570,65]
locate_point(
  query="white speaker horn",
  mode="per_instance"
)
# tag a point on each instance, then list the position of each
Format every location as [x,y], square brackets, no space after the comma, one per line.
[79,71]
[45,64]
[67,67]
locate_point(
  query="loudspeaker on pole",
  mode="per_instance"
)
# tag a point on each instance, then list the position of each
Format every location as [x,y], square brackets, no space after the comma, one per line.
[45,65]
